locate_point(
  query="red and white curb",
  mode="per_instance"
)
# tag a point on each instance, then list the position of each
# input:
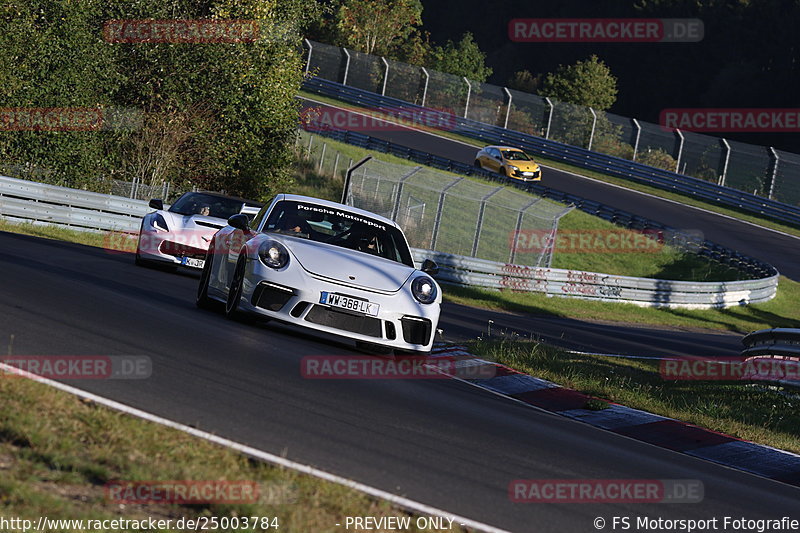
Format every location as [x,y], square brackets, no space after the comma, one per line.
[661,431]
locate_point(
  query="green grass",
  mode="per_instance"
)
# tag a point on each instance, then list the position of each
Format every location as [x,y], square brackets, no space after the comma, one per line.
[767,415]
[670,195]
[57,452]
[57,233]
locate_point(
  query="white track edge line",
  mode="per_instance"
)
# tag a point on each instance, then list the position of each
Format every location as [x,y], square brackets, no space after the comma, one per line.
[651,195]
[401,501]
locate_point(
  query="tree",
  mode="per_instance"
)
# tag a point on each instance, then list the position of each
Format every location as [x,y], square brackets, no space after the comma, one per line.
[416,49]
[229,107]
[462,59]
[587,83]
[378,27]
[524,81]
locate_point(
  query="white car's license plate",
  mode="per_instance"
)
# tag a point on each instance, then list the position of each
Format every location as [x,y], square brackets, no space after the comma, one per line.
[356,305]
[192,262]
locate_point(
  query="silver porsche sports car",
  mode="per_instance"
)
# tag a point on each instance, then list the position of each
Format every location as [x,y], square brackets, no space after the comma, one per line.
[327,267]
[180,235]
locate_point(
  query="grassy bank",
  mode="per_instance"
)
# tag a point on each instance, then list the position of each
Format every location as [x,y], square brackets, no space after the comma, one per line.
[58,452]
[753,412]
[670,195]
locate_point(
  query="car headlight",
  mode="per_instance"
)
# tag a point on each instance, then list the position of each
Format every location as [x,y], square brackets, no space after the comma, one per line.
[516,169]
[424,289]
[273,254]
[159,222]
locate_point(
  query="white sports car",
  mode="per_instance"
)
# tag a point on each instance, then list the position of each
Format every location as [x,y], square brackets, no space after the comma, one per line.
[180,235]
[324,266]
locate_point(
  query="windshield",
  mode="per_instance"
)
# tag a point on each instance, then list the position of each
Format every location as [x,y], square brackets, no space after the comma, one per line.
[198,203]
[515,155]
[340,228]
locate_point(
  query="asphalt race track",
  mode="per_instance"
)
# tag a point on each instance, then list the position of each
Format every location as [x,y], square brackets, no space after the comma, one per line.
[780,250]
[441,442]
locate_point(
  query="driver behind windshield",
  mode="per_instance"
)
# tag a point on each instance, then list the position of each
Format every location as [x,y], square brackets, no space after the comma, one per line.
[291,223]
[513,155]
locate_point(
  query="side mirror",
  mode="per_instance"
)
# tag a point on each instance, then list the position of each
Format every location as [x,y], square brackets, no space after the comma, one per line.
[155,203]
[429,267]
[239,221]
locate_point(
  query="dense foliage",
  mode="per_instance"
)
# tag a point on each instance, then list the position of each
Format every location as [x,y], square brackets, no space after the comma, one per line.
[220,115]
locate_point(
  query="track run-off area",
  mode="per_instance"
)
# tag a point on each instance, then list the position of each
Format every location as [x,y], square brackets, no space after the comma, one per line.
[438,441]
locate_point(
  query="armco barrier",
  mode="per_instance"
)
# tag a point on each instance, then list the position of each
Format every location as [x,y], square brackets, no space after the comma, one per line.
[773,342]
[601,287]
[776,343]
[29,201]
[36,202]
[748,265]
[580,157]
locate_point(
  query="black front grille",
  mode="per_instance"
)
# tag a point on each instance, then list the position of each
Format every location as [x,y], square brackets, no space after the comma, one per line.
[416,330]
[391,334]
[178,249]
[271,297]
[298,309]
[365,325]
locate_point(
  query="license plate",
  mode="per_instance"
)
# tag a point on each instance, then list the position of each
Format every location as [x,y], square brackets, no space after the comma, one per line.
[192,262]
[527,173]
[356,305]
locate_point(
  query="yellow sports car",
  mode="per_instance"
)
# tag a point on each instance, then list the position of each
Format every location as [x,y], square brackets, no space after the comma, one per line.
[511,162]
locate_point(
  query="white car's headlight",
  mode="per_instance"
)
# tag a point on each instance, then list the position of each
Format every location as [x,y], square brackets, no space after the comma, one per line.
[424,289]
[159,222]
[273,254]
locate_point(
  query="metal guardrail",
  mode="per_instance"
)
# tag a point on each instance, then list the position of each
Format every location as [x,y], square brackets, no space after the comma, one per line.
[580,157]
[772,342]
[748,265]
[782,344]
[29,201]
[23,200]
[648,292]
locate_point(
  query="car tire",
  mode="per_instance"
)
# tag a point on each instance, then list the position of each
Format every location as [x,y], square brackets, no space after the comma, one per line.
[503,172]
[137,258]
[478,164]
[203,301]
[235,291]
